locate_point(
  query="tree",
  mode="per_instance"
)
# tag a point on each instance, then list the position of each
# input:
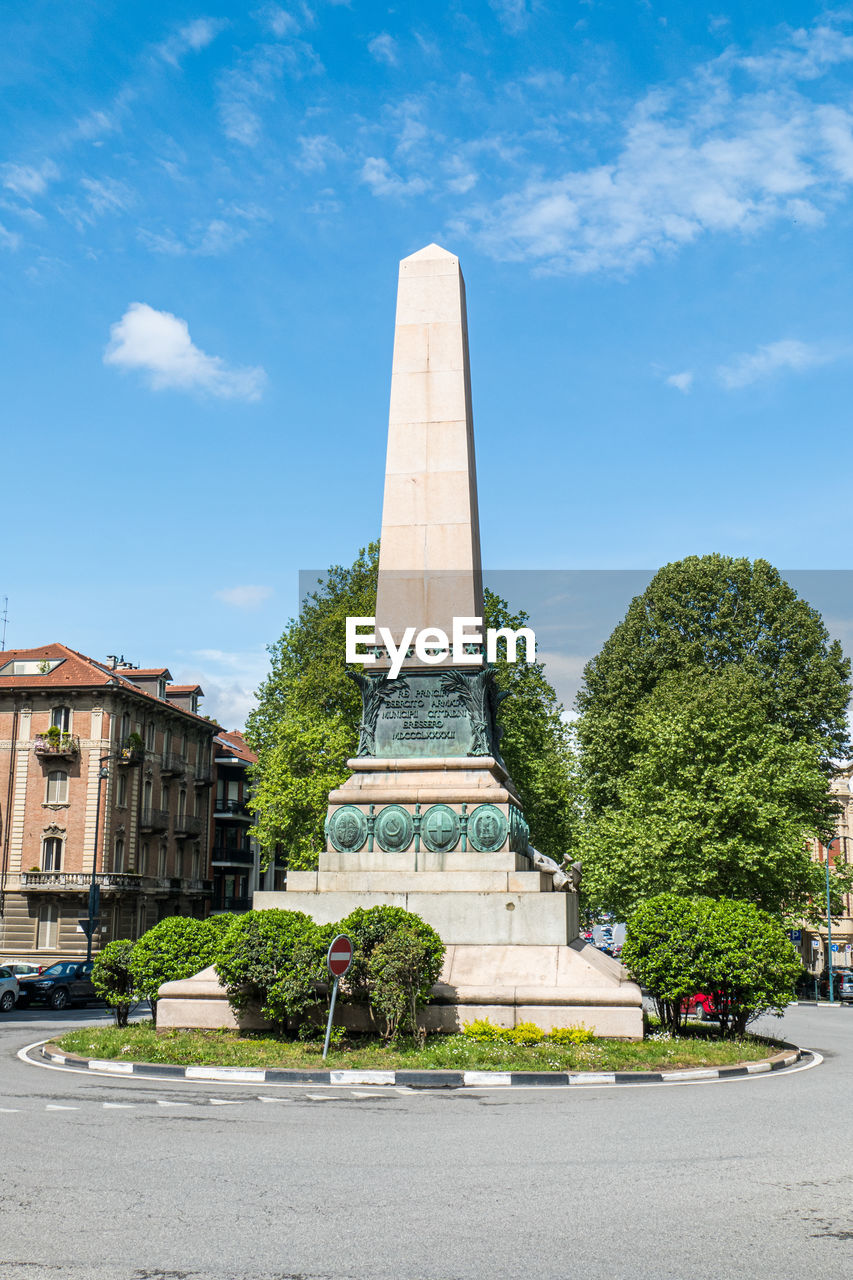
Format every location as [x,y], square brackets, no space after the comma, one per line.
[113,979]
[677,946]
[178,947]
[709,613]
[305,726]
[274,959]
[716,801]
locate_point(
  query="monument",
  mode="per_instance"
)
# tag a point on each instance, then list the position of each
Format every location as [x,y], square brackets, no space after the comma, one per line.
[429,818]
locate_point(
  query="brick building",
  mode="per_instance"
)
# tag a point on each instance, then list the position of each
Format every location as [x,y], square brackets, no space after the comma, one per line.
[813,941]
[236,865]
[63,717]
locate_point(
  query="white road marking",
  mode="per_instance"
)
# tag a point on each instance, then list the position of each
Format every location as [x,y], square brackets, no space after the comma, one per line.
[9,1110]
[226,1102]
[320,1097]
[116,1106]
[55,1106]
[165,1103]
[356,1094]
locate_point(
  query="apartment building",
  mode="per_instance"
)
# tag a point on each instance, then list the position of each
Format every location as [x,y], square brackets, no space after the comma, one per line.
[235,864]
[106,777]
[813,941]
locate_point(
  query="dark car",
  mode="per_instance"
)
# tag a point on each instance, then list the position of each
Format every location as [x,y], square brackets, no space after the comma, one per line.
[61,984]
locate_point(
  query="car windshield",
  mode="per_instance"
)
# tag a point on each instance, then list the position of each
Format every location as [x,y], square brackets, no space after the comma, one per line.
[5,973]
[57,970]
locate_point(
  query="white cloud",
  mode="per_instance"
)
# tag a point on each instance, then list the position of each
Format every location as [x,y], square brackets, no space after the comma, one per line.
[282,22]
[773,357]
[29,180]
[378,175]
[315,152]
[99,196]
[807,55]
[158,344]
[713,154]
[190,38]
[681,381]
[229,680]
[513,15]
[9,239]
[246,597]
[384,49]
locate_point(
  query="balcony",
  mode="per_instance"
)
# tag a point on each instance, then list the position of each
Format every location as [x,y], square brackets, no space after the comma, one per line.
[233,857]
[131,751]
[154,820]
[79,881]
[56,745]
[186,825]
[232,903]
[232,809]
[172,765]
[203,776]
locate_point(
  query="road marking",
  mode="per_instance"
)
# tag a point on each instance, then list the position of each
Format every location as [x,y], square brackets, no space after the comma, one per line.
[320,1097]
[55,1106]
[115,1106]
[356,1094]
[164,1103]
[226,1102]
[261,1098]
[9,1110]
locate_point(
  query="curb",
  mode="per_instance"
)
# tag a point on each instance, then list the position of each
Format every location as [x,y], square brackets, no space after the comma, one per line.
[414,1079]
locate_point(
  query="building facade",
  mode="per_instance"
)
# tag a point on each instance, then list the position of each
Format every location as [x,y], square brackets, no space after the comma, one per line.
[106,775]
[813,940]
[236,863]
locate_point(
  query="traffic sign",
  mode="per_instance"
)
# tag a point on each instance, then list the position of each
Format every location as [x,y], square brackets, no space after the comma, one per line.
[339,958]
[85,924]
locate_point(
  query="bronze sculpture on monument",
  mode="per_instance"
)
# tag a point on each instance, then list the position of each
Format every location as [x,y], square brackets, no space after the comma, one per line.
[429,819]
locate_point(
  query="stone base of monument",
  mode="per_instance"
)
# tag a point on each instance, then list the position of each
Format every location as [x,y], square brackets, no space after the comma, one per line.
[552,986]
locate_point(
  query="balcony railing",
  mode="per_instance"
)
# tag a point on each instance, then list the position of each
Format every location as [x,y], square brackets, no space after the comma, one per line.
[79,881]
[187,825]
[58,745]
[232,809]
[233,857]
[154,820]
[203,776]
[172,764]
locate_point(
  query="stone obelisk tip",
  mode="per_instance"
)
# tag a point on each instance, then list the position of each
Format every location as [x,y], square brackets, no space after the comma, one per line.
[429,563]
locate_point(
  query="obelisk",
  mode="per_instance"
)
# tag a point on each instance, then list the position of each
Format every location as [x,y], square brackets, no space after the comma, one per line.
[429,560]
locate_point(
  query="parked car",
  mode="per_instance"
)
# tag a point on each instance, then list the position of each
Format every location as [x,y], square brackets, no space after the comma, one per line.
[701,1006]
[838,976]
[845,991]
[61,984]
[20,967]
[8,989]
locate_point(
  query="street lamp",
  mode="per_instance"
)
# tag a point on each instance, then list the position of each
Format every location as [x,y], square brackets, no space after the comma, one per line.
[94,890]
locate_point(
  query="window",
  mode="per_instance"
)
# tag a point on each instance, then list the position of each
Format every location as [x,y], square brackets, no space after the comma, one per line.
[149,735]
[182,804]
[167,741]
[51,854]
[164,798]
[161,687]
[161,861]
[47,928]
[142,860]
[121,789]
[57,787]
[118,855]
[60,718]
[146,795]
[196,864]
[125,726]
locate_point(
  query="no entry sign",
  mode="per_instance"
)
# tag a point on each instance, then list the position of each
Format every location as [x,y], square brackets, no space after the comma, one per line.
[339,958]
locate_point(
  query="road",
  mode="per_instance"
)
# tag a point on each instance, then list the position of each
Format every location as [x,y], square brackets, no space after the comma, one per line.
[126,1180]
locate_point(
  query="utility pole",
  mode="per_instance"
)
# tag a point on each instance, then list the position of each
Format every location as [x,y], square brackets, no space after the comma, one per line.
[4,620]
[94,887]
[828,927]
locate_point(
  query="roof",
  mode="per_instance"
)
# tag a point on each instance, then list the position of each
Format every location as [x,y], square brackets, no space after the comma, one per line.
[77,671]
[183,688]
[147,671]
[230,742]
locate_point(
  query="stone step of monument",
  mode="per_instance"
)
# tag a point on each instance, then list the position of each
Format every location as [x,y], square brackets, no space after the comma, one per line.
[418,882]
[424,860]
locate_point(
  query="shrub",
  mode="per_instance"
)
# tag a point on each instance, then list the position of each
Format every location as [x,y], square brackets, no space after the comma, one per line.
[660,952]
[176,948]
[483,1032]
[571,1035]
[730,950]
[746,961]
[274,959]
[113,979]
[401,972]
[368,928]
[525,1033]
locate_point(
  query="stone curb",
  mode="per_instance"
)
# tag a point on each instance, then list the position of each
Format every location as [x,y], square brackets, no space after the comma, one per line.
[415,1079]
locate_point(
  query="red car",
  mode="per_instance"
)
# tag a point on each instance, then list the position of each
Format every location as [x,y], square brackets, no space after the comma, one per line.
[701,1005]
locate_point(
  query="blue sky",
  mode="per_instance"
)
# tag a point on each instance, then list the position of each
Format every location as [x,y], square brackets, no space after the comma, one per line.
[202,208]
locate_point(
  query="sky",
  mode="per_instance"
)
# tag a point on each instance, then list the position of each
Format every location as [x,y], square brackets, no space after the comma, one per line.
[202,209]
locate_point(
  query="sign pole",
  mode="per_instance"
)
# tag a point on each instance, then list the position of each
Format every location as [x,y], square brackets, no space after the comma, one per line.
[338,961]
[331,1016]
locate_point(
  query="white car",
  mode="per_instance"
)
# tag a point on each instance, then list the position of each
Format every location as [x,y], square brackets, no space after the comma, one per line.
[20,967]
[8,990]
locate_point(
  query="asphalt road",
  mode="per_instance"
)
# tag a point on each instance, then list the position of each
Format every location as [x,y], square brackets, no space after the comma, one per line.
[129,1180]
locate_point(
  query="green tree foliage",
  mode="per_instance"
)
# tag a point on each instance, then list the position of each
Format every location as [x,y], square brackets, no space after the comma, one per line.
[708,613]
[731,951]
[273,960]
[399,970]
[371,927]
[715,801]
[305,726]
[176,948]
[113,979]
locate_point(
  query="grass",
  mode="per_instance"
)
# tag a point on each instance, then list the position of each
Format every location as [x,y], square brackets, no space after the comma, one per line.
[697,1047]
